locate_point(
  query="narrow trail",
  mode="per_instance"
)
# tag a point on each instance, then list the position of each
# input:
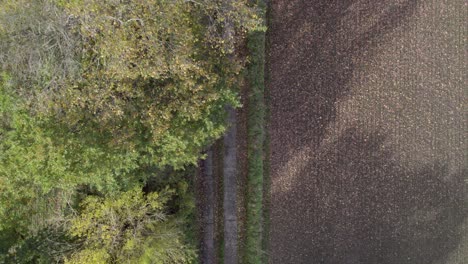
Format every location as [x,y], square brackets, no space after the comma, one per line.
[207,208]
[368,131]
[230,191]
[230,169]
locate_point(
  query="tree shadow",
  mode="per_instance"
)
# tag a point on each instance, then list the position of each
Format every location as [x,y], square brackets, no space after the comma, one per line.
[315,47]
[351,200]
[354,203]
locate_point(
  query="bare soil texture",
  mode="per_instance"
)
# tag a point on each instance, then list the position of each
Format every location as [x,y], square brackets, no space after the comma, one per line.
[368,131]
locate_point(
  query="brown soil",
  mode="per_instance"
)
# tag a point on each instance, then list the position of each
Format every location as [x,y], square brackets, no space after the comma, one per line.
[242,164]
[368,146]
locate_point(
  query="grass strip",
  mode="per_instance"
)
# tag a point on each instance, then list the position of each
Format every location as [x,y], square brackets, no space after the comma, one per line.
[266,153]
[254,251]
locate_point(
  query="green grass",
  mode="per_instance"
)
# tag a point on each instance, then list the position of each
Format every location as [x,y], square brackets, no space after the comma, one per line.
[254,243]
[266,164]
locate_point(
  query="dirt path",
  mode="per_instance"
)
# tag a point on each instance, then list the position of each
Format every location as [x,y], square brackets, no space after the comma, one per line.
[207,209]
[230,191]
[368,145]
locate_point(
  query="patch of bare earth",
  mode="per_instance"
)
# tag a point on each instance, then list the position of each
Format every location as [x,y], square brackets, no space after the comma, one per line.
[368,131]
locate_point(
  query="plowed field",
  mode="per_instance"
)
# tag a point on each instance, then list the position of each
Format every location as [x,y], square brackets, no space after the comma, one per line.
[368,131]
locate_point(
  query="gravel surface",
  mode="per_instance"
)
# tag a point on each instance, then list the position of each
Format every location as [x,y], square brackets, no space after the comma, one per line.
[368,131]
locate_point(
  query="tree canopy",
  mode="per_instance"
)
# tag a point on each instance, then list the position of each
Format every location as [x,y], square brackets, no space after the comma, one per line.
[97,100]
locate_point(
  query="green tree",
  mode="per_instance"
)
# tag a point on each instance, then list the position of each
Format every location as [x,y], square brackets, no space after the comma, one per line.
[154,74]
[151,75]
[129,228]
[41,167]
[99,95]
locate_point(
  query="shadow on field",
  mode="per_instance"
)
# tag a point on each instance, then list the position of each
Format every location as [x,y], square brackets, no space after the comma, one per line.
[366,208]
[350,200]
[314,49]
